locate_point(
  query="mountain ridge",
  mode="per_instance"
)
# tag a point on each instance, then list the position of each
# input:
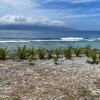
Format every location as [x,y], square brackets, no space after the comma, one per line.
[35,27]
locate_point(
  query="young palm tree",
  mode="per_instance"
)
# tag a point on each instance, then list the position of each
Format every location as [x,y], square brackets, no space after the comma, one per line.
[68,53]
[50,54]
[31,55]
[99,57]
[87,51]
[94,56]
[77,51]
[42,53]
[57,52]
[3,53]
[21,52]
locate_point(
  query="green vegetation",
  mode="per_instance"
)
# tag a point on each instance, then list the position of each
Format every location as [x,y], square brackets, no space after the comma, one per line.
[21,52]
[42,53]
[50,54]
[77,51]
[68,53]
[94,56]
[24,53]
[31,55]
[87,51]
[57,52]
[99,57]
[3,53]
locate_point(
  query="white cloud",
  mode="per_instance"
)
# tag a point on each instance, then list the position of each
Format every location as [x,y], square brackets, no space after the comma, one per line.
[12,19]
[24,4]
[18,3]
[73,1]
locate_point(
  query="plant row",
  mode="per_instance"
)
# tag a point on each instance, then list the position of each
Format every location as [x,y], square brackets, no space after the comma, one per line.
[23,53]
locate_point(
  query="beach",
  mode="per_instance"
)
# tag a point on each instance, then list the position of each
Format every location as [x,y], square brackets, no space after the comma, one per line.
[41,68]
[50,50]
[71,79]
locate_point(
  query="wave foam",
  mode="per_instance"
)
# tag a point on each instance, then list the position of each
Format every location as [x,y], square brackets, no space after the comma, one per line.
[72,39]
[69,39]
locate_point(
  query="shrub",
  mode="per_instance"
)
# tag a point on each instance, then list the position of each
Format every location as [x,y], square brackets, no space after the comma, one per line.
[31,52]
[68,53]
[87,51]
[77,51]
[3,53]
[30,58]
[50,54]
[42,53]
[57,52]
[31,55]
[99,57]
[94,56]
[21,52]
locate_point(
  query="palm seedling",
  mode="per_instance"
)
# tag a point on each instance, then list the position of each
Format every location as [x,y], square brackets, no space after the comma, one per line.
[3,53]
[99,57]
[94,56]
[21,52]
[68,53]
[50,54]
[87,51]
[77,51]
[42,53]
[31,55]
[57,53]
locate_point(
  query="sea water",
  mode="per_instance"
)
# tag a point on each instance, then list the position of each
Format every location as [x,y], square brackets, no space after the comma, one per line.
[12,39]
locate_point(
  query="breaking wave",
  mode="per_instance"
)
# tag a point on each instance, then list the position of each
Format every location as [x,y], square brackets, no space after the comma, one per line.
[66,39]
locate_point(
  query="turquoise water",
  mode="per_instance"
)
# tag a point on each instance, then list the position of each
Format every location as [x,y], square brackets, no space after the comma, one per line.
[49,40]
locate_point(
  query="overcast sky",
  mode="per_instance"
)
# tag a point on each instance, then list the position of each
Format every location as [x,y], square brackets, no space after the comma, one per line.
[81,14]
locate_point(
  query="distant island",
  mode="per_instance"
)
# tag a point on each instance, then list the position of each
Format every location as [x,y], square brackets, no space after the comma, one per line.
[35,27]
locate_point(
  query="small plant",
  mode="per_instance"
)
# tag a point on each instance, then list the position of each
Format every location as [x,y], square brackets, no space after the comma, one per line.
[94,56]
[21,52]
[87,51]
[57,52]
[50,54]
[77,51]
[30,58]
[42,53]
[99,57]
[3,53]
[31,55]
[68,53]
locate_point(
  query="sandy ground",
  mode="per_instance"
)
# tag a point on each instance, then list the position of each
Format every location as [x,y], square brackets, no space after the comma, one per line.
[70,80]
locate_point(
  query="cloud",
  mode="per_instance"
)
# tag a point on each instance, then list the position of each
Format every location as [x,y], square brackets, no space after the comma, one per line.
[81,1]
[83,16]
[13,19]
[18,3]
[72,1]
[25,4]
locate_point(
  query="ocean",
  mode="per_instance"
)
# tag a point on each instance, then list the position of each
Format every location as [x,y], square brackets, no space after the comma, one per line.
[49,40]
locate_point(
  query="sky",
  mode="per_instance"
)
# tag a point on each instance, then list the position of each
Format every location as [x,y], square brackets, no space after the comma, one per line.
[80,14]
